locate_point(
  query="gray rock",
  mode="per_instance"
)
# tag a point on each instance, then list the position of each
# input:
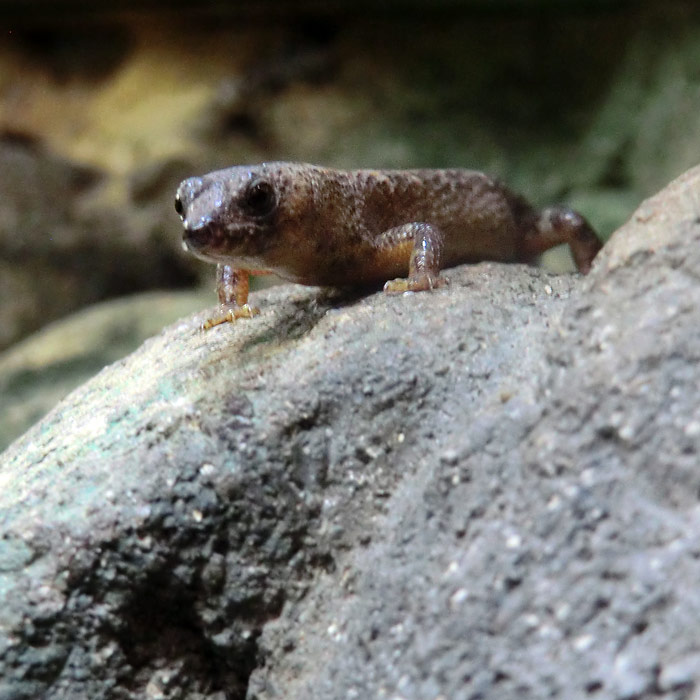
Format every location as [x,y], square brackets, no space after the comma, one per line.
[489,491]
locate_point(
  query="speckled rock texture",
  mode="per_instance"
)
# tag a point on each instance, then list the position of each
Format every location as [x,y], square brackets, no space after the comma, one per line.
[488,491]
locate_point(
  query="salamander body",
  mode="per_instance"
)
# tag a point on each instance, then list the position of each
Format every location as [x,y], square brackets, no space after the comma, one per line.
[320,226]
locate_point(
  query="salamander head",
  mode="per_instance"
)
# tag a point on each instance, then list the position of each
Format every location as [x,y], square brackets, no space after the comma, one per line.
[236,213]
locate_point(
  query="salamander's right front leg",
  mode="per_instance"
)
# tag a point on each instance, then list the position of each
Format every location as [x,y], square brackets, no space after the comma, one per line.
[232,287]
[425,245]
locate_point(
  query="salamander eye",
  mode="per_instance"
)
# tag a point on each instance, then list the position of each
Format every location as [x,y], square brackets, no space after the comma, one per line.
[179,208]
[259,199]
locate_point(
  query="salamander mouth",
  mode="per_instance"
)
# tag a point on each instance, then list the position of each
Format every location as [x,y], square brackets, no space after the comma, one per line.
[215,243]
[203,241]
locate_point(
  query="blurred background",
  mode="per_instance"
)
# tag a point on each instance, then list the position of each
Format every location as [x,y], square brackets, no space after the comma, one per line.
[105,107]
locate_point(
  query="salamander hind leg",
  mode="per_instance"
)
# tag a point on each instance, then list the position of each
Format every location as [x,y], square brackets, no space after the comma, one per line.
[422,244]
[232,287]
[555,225]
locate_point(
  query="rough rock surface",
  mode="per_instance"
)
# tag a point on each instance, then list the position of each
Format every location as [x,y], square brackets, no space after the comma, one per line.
[489,491]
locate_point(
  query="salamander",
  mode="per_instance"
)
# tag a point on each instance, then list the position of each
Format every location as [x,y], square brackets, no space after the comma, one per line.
[400,228]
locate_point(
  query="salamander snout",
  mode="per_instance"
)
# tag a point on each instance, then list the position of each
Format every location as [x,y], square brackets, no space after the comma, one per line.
[199,204]
[187,193]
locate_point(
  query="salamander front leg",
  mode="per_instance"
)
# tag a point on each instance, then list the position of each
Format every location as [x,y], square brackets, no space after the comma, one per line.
[425,245]
[232,287]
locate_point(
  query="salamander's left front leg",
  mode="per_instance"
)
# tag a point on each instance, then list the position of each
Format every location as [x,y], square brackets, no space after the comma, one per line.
[425,245]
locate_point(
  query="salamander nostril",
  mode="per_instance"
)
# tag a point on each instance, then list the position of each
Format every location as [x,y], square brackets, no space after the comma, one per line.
[179,208]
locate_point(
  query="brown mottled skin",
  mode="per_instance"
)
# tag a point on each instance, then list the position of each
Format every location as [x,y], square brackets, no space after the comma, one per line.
[338,228]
